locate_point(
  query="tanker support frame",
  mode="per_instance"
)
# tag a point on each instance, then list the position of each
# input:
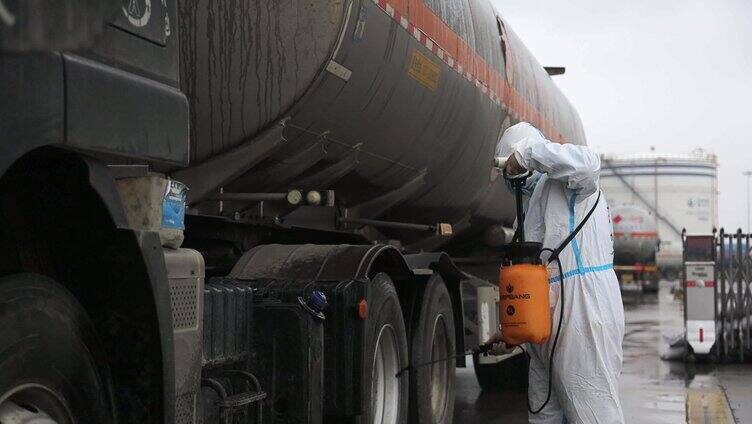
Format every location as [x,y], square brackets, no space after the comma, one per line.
[294,332]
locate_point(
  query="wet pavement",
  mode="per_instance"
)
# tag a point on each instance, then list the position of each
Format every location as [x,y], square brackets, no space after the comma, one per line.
[652,390]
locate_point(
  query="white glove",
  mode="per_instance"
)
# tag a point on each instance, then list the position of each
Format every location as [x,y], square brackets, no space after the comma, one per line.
[498,346]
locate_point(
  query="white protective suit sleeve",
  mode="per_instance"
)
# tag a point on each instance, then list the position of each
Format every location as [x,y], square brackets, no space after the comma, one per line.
[577,166]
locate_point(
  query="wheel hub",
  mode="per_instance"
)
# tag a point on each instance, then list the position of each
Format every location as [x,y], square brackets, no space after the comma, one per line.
[33,404]
[440,370]
[384,383]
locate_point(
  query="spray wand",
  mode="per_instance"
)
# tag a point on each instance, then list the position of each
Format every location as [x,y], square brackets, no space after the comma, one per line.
[480,350]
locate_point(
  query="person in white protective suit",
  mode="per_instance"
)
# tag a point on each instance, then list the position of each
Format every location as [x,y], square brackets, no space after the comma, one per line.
[588,355]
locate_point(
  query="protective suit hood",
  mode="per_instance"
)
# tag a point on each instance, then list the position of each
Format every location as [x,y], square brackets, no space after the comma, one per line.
[518,133]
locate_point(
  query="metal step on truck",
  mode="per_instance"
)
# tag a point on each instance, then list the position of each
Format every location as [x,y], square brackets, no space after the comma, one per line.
[254,211]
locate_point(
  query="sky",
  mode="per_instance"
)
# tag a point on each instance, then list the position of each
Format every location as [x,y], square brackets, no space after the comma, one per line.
[671,74]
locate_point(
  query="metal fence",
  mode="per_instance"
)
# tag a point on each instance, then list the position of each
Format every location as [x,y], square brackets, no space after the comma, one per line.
[733,295]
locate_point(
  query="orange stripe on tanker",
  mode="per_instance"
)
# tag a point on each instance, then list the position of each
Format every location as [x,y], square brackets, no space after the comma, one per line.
[431,31]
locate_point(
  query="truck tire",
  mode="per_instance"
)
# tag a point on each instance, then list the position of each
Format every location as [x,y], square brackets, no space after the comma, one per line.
[48,367]
[432,386]
[386,396]
[508,374]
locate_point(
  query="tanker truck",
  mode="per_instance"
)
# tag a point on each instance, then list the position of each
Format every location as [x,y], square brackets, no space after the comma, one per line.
[255,211]
[635,246]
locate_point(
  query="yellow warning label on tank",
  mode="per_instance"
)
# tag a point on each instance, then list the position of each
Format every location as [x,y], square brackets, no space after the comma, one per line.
[423,70]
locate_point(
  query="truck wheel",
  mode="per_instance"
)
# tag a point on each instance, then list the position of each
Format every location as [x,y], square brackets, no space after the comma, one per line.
[511,373]
[48,372]
[432,387]
[386,354]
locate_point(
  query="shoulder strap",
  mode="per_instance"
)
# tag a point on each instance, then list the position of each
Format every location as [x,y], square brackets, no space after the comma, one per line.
[555,253]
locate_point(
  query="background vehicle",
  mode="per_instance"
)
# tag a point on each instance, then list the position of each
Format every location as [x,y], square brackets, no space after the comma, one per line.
[635,246]
[342,208]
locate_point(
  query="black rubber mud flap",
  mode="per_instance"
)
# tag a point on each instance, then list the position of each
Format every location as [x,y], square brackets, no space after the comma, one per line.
[432,387]
[384,320]
[48,342]
[288,360]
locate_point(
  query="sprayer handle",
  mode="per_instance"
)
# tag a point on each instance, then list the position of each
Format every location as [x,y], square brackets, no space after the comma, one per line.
[483,349]
[512,178]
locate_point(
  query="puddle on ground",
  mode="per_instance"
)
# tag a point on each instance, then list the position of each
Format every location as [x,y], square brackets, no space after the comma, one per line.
[652,391]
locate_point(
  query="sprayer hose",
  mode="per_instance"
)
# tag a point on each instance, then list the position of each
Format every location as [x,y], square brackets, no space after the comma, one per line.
[556,338]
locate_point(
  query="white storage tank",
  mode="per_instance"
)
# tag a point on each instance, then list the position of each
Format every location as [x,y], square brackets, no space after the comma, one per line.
[678,191]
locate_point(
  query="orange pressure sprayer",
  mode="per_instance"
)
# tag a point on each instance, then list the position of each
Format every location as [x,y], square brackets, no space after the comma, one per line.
[524,310]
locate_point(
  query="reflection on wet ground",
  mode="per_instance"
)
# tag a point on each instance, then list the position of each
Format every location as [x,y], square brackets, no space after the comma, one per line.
[652,390]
